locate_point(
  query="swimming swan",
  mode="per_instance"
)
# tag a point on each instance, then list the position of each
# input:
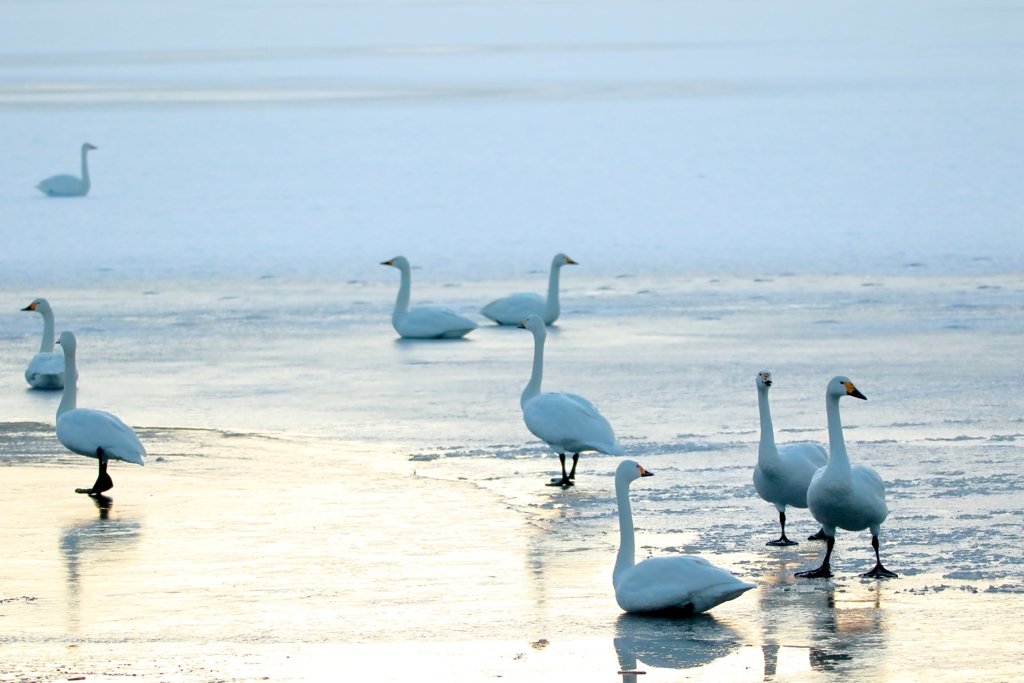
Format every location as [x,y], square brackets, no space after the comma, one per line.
[424,322]
[46,369]
[515,308]
[92,433]
[680,583]
[782,475]
[845,496]
[567,422]
[68,185]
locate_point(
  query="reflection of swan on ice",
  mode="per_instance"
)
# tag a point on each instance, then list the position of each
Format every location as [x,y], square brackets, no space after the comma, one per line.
[515,308]
[679,583]
[46,369]
[672,643]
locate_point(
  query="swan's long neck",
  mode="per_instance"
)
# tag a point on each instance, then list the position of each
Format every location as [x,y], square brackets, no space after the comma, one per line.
[766,452]
[85,165]
[69,400]
[627,546]
[402,303]
[533,388]
[838,460]
[552,308]
[47,345]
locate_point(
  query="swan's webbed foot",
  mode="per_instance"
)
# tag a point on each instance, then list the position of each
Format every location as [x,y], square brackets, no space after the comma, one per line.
[880,572]
[783,541]
[103,480]
[822,572]
[820,536]
[561,481]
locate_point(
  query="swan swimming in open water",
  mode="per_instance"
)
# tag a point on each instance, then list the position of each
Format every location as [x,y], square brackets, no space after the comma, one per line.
[92,433]
[46,369]
[567,422]
[515,308]
[65,185]
[845,496]
[424,322]
[782,475]
[680,583]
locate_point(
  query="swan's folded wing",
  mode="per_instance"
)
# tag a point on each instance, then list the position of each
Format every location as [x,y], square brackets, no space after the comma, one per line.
[433,321]
[675,582]
[83,431]
[515,308]
[870,491]
[556,417]
[47,363]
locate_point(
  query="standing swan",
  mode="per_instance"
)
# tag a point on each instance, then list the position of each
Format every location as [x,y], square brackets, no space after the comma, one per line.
[782,475]
[680,583]
[845,496]
[92,433]
[424,322]
[567,422]
[46,369]
[515,308]
[65,185]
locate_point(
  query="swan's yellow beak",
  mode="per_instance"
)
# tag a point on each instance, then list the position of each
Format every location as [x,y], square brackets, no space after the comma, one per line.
[30,307]
[388,263]
[645,473]
[570,262]
[522,325]
[852,391]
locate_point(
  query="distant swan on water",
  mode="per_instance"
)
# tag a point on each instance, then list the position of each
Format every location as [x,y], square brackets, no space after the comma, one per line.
[566,422]
[46,369]
[682,584]
[515,308]
[65,185]
[424,322]
[845,496]
[782,475]
[92,433]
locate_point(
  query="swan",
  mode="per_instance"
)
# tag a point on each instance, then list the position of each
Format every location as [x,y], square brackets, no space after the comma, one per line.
[424,322]
[515,308]
[68,185]
[46,369]
[850,497]
[92,433]
[782,475]
[566,422]
[679,583]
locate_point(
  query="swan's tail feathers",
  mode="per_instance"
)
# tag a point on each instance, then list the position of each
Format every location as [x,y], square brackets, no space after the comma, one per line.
[719,593]
[615,448]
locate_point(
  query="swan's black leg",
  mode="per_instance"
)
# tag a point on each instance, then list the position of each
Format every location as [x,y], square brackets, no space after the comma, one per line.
[825,570]
[879,572]
[782,539]
[565,480]
[103,480]
[572,472]
[820,536]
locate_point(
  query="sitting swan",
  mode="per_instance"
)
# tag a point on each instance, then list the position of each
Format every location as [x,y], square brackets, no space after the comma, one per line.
[424,322]
[679,583]
[845,496]
[68,185]
[46,369]
[567,422]
[92,433]
[515,308]
[782,475]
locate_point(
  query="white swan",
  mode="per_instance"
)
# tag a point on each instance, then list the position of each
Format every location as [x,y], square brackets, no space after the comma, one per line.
[782,475]
[46,369]
[92,433]
[567,422]
[515,308]
[68,185]
[679,583]
[844,496]
[424,322]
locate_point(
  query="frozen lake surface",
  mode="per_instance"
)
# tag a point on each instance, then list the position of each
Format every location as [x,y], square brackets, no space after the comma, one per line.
[813,189]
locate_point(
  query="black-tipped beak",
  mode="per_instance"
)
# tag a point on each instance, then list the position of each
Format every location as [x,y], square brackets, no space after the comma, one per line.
[28,308]
[766,382]
[522,325]
[570,262]
[856,394]
[387,263]
[646,473]
[56,341]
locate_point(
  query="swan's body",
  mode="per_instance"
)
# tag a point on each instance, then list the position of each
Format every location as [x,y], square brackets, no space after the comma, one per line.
[844,496]
[683,583]
[515,308]
[566,422]
[46,369]
[782,475]
[93,433]
[424,322]
[68,185]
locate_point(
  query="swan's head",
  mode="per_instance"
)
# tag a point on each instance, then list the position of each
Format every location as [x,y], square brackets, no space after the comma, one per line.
[39,306]
[764,379]
[87,146]
[563,260]
[629,470]
[68,342]
[842,386]
[399,262]
[534,324]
